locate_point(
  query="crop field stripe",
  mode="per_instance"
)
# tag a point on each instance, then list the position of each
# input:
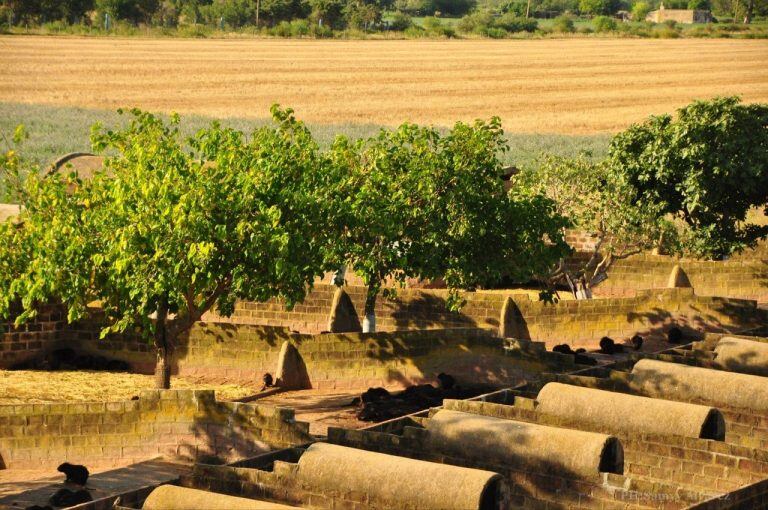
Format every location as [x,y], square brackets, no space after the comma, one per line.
[58,130]
[567,86]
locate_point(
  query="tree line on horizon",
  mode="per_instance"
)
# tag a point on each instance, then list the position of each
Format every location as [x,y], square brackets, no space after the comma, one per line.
[335,14]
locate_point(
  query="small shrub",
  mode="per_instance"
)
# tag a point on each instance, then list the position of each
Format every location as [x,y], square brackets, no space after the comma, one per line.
[299,28]
[56,27]
[477,22]
[585,30]
[435,27]
[512,23]
[496,33]
[199,31]
[670,23]
[415,31]
[320,32]
[400,21]
[604,24]
[282,29]
[563,24]
[665,33]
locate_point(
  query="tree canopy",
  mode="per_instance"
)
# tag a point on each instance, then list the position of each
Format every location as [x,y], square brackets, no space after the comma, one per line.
[170,229]
[422,205]
[706,167]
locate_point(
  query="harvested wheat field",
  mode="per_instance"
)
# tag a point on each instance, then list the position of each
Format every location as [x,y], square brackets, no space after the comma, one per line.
[569,86]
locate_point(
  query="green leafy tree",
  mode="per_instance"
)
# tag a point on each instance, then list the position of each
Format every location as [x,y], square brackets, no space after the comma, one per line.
[563,24]
[708,167]
[169,230]
[454,7]
[640,10]
[134,11]
[596,7]
[701,5]
[235,13]
[400,21]
[361,14]
[598,202]
[329,12]
[422,205]
[591,6]
[743,10]
[41,11]
[604,24]
[416,7]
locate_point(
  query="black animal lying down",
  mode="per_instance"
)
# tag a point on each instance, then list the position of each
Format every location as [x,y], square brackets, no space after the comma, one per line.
[66,497]
[75,474]
[608,346]
[579,357]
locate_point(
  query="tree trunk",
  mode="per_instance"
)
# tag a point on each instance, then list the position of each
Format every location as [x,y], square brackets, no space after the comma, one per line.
[163,370]
[369,321]
[748,14]
[162,345]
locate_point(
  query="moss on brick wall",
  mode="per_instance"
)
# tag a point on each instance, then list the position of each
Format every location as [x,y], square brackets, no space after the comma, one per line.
[744,277]
[583,323]
[19,344]
[179,423]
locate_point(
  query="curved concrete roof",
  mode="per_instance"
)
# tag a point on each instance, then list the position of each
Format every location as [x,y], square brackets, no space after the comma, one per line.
[525,446]
[742,355]
[397,482]
[705,385]
[171,497]
[622,413]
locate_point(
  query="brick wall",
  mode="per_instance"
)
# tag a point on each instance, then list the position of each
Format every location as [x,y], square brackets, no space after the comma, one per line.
[311,316]
[744,277]
[244,352]
[30,340]
[411,309]
[178,423]
[357,360]
[583,323]
[239,352]
[702,464]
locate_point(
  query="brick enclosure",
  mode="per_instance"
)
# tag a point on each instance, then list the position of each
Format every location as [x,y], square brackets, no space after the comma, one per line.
[336,361]
[583,323]
[184,424]
[245,350]
[745,278]
[411,309]
[577,322]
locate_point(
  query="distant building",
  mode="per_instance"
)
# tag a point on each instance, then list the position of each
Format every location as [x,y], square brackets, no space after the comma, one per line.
[679,15]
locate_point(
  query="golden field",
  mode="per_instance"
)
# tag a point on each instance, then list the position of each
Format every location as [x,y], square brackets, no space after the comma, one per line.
[36,386]
[569,86]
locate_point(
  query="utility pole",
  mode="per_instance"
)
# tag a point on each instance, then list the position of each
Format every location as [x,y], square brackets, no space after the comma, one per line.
[528,9]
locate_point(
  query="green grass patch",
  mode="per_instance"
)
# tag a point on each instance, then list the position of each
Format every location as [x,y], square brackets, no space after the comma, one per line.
[55,131]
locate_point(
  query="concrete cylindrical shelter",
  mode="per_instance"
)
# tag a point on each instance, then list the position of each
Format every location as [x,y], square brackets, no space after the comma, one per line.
[742,355]
[525,446]
[705,385]
[398,482]
[620,413]
[171,497]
